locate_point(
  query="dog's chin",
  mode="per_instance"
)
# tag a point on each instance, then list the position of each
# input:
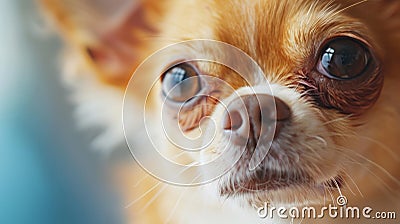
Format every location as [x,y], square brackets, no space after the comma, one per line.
[279,179]
[276,172]
[280,187]
[277,187]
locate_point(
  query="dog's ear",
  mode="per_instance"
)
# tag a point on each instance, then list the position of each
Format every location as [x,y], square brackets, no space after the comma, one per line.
[110,34]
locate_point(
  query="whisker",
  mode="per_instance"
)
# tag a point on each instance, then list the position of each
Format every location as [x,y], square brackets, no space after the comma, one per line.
[175,206]
[325,189]
[383,186]
[321,139]
[156,185]
[313,150]
[350,154]
[397,181]
[143,195]
[350,6]
[332,197]
[388,188]
[145,176]
[179,200]
[382,145]
[338,119]
[354,183]
[337,187]
[152,199]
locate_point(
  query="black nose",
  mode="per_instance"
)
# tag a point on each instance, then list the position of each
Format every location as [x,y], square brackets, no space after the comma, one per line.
[255,116]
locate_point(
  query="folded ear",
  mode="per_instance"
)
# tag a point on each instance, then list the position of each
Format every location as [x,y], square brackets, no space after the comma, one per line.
[110,34]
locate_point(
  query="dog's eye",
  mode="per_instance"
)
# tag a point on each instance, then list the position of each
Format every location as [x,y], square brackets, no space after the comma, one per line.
[343,58]
[180,83]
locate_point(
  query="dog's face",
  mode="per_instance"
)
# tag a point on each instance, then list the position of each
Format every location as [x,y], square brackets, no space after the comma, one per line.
[328,79]
[324,73]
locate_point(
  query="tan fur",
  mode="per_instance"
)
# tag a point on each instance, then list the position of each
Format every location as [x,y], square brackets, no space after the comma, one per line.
[281,36]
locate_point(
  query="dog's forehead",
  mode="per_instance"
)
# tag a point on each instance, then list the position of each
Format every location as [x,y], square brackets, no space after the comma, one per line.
[280,35]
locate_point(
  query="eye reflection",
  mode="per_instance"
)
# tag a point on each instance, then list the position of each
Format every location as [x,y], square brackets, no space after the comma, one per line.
[180,83]
[344,58]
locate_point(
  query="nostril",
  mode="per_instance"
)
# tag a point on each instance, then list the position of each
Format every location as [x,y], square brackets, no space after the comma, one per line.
[233,121]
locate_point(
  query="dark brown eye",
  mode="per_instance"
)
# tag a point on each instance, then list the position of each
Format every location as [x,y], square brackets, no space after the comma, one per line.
[343,58]
[180,83]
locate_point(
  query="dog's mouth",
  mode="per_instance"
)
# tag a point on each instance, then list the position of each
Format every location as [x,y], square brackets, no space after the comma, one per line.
[265,179]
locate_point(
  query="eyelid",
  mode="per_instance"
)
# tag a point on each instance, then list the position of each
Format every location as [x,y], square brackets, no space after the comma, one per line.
[353,35]
[177,62]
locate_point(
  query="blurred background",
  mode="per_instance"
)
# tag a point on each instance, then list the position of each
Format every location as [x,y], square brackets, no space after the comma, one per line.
[48,173]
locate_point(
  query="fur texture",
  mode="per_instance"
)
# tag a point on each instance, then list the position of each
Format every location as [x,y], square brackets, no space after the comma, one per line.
[341,132]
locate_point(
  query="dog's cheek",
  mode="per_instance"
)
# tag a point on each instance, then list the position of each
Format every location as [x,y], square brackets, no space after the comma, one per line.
[348,97]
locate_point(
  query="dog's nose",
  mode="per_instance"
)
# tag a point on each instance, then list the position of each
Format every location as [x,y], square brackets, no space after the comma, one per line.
[254,115]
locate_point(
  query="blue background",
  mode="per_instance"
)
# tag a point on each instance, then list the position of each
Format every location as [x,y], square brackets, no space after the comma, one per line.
[48,174]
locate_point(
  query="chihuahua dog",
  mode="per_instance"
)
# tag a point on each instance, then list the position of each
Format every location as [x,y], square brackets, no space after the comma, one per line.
[298,99]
